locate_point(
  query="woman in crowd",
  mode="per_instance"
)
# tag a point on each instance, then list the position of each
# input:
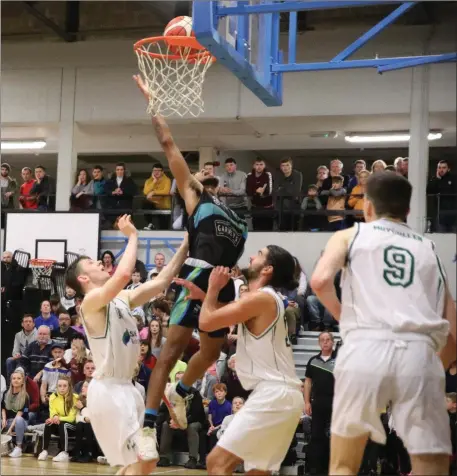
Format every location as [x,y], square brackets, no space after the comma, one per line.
[82,193]
[155,337]
[14,411]
[109,262]
[357,198]
[84,448]
[77,361]
[378,166]
[146,357]
[161,310]
[61,421]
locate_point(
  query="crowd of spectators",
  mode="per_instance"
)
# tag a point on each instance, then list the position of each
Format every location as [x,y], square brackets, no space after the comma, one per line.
[271,200]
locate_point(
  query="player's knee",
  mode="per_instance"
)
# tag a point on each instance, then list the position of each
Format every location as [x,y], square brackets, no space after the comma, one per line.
[210,354]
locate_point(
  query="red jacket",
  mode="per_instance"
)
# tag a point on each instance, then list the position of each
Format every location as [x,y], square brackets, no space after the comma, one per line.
[27,201]
[33,392]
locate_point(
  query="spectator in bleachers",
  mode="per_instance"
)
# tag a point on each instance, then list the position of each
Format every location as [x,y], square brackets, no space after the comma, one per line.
[357,196]
[196,419]
[232,382]
[288,189]
[451,378]
[161,310]
[13,278]
[336,170]
[444,184]
[311,203]
[56,306]
[359,165]
[136,280]
[76,324]
[237,405]
[378,166]
[244,288]
[8,187]
[109,262]
[155,336]
[33,391]
[336,201]
[156,191]
[61,421]
[318,393]
[37,354]
[322,174]
[27,201]
[218,409]
[142,375]
[21,340]
[89,369]
[145,355]
[232,186]
[44,189]
[51,373]
[14,411]
[80,341]
[210,169]
[98,186]
[75,309]
[159,264]
[46,318]
[120,191]
[401,166]
[85,443]
[78,358]
[206,384]
[68,299]
[64,334]
[259,187]
[82,193]
[138,314]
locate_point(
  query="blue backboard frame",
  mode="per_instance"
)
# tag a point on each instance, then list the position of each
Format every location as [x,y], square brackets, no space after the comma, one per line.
[266,81]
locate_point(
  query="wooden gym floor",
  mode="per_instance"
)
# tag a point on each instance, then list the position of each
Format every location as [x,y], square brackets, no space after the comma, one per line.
[30,465]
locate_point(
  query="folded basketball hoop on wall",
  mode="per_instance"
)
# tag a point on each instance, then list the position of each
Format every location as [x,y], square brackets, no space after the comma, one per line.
[174,68]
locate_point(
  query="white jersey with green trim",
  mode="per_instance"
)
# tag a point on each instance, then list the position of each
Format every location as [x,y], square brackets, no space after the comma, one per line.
[393,281]
[116,352]
[267,357]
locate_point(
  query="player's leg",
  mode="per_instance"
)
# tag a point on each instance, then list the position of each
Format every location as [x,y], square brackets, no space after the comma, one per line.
[220,461]
[346,454]
[419,410]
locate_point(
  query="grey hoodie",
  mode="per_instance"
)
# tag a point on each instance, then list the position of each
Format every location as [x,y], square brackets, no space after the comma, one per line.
[236,182]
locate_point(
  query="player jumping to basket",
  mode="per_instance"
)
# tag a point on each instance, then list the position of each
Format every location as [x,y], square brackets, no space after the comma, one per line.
[261,432]
[116,407]
[216,238]
[395,316]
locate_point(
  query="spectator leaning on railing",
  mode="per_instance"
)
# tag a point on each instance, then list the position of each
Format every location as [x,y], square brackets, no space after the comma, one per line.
[157,197]
[359,165]
[27,201]
[98,185]
[8,186]
[357,197]
[259,187]
[45,189]
[232,186]
[288,189]
[82,193]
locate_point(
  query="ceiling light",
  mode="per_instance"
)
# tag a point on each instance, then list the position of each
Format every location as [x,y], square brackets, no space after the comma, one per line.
[391,137]
[23,145]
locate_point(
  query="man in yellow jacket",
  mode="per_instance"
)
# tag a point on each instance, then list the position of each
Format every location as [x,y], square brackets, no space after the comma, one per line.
[157,197]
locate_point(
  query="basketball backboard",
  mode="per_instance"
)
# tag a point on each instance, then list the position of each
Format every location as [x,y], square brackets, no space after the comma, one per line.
[244,37]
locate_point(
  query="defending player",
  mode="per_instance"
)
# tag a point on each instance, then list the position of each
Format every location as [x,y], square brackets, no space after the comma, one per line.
[216,237]
[394,317]
[116,407]
[261,432]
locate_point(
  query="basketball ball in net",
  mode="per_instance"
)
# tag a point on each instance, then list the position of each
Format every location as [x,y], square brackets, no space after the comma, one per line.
[180,26]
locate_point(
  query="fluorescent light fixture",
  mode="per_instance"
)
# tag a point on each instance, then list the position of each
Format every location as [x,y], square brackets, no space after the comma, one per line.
[391,137]
[23,144]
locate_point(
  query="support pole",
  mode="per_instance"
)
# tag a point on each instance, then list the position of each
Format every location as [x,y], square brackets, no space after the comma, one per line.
[206,154]
[67,159]
[418,147]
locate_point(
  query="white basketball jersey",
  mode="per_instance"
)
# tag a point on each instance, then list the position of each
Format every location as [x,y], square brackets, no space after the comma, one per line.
[267,357]
[116,352]
[393,280]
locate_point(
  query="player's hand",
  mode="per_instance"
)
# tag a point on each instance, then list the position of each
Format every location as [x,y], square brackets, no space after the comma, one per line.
[219,277]
[308,410]
[126,226]
[195,293]
[202,175]
[141,85]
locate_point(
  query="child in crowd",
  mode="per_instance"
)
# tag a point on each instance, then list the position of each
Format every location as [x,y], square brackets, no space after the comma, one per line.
[51,373]
[336,201]
[136,280]
[83,450]
[145,355]
[237,405]
[311,203]
[68,299]
[77,361]
[14,411]
[218,409]
[62,417]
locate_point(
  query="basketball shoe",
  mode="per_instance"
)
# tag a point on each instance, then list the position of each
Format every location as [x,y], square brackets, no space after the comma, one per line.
[177,406]
[147,444]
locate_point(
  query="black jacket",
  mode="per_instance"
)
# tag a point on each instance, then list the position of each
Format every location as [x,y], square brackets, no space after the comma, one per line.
[445,186]
[128,188]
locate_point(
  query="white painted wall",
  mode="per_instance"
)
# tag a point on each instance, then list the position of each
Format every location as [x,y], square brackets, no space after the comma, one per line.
[306,246]
[32,76]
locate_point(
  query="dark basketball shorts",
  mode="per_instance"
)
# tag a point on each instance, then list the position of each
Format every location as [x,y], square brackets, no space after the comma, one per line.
[186,313]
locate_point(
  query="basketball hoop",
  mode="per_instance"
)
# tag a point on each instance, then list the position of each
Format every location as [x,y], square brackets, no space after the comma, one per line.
[174,69]
[41,267]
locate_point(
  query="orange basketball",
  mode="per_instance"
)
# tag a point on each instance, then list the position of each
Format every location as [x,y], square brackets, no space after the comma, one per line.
[180,26]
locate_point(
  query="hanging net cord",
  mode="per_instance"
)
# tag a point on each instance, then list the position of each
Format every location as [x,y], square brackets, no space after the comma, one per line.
[41,268]
[174,77]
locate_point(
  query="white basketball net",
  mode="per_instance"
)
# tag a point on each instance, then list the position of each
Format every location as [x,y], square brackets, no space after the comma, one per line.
[175,85]
[41,268]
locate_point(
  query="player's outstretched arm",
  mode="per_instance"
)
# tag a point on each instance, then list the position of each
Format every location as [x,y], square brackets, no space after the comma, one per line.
[449,353]
[213,317]
[333,259]
[144,293]
[100,297]
[186,182]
